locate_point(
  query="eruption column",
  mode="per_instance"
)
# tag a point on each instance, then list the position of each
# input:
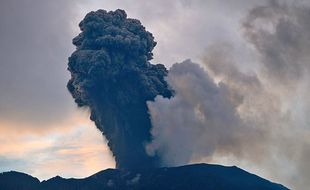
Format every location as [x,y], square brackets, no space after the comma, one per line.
[111,75]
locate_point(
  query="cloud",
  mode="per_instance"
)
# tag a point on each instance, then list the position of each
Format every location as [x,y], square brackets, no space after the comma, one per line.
[251,115]
[280,34]
[202,118]
[175,23]
[42,132]
[78,152]
[112,76]
[35,45]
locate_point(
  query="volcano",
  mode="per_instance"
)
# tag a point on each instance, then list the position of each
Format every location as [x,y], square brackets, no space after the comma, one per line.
[197,176]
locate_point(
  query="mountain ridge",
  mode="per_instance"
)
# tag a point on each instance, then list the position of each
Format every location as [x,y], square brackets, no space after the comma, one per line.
[195,176]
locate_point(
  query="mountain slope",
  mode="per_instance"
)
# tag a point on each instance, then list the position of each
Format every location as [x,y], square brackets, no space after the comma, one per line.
[197,176]
[18,181]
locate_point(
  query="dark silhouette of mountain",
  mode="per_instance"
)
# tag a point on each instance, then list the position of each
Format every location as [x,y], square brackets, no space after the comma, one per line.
[18,181]
[197,176]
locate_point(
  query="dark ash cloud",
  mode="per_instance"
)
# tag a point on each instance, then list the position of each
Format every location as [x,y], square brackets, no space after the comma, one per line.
[111,75]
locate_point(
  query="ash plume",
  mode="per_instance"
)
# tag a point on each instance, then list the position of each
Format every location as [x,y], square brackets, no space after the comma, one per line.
[111,75]
[218,109]
[280,34]
[202,117]
[255,116]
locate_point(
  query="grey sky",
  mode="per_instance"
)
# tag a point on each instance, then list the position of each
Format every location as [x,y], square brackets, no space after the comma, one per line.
[35,43]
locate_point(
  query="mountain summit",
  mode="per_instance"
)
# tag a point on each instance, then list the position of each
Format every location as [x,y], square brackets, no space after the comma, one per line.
[197,176]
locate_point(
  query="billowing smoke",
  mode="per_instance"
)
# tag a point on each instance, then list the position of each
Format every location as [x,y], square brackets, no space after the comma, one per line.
[218,109]
[111,75]
[201,118]
[280,34]
[222,110]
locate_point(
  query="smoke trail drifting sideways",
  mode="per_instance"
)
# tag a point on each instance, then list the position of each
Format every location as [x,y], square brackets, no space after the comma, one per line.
[280,34]
[200,119]
[111,75]
[258,116]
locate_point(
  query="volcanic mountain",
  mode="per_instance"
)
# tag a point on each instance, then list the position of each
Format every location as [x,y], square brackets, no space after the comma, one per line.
[197,176]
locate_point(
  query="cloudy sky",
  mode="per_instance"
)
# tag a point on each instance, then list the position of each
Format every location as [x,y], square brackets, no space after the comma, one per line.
[257,49]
